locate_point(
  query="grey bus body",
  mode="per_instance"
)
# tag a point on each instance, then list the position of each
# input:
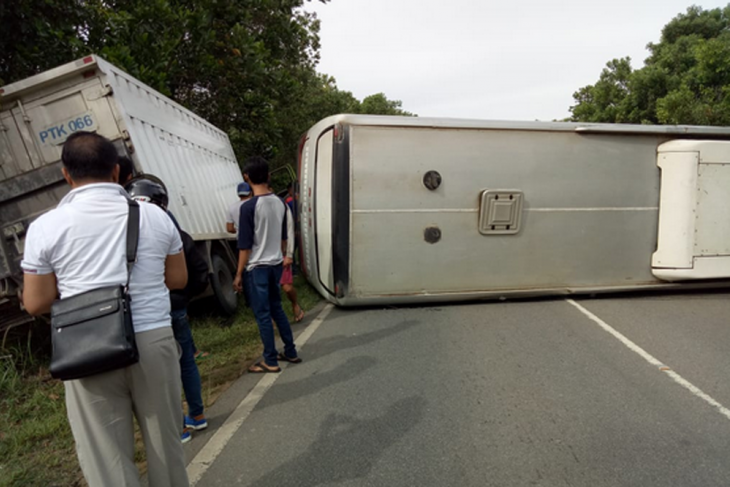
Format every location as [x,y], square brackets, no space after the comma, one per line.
[396,210]
[193,158]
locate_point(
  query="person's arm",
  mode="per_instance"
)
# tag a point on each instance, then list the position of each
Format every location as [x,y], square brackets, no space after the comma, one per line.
[231,216]
[285,237]
[243,256]
[176,272]
[40,287]
[39,293]
[245,242]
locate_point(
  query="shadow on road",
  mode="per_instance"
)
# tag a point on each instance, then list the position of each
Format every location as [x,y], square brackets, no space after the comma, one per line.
[327,346]
[347,447]
[291,391]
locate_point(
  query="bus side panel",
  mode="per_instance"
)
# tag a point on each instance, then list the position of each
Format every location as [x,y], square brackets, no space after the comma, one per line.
[589,216]
[462,261]
[554,169]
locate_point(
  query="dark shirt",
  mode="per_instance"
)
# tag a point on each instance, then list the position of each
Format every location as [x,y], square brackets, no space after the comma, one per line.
[197,275]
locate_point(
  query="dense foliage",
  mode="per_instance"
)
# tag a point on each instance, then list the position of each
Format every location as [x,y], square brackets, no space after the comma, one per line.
[685,80]
[247,66]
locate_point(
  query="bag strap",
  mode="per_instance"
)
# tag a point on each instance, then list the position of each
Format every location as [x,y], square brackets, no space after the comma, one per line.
[132,237]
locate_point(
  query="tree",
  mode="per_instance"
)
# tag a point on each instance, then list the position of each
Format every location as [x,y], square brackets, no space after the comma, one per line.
[378,104]
[237,64]
[685,80]
[247,66]
[38,35]
[605,101]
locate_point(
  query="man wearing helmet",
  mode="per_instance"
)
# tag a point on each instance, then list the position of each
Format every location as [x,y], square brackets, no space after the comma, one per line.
[152,192]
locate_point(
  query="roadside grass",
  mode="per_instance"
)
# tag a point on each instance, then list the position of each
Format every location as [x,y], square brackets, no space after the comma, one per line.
[36,444]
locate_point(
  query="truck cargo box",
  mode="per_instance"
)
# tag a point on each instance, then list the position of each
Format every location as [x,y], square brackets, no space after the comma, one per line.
[193,158]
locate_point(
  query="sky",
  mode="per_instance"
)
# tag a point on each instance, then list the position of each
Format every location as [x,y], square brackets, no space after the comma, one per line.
[485,59]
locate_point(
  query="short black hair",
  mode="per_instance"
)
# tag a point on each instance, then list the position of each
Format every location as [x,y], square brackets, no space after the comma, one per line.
[126,169]
[257,170]
[89,156]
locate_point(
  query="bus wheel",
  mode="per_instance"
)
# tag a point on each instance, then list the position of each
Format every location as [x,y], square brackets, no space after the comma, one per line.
[221,280]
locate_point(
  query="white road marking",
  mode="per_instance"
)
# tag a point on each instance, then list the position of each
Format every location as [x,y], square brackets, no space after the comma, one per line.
[207,455]
[653,361]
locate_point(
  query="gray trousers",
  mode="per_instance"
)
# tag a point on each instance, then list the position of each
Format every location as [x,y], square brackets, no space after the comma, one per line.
[101,410]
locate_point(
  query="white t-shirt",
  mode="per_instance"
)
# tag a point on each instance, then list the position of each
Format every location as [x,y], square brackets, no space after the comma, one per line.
[234,212]
[83,242]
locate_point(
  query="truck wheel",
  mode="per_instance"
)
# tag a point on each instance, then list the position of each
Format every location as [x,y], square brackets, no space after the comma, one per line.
[221,280]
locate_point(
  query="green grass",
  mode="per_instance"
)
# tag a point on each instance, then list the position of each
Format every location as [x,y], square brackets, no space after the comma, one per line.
[36,445]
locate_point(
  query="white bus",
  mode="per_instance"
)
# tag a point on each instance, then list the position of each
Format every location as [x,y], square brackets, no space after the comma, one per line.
[396,210]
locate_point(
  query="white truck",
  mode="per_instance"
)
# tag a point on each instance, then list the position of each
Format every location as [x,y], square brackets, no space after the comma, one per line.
[193,158]
[407,210]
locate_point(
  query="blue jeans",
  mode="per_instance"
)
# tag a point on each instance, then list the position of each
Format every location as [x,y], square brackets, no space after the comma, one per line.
[188,368]
[262,284]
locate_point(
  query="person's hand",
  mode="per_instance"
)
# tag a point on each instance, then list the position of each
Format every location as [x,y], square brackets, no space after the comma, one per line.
[288,261]
[237,284]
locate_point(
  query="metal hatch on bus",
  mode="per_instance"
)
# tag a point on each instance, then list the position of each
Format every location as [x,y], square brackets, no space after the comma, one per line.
[694,226]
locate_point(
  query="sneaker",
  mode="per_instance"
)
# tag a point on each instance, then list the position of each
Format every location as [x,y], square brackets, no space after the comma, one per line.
[196,423]
[186,435]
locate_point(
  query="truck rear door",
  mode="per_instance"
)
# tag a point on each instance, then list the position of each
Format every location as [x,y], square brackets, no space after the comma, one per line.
[34,124]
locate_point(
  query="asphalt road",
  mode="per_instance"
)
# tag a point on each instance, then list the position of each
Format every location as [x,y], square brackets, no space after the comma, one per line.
[499,394]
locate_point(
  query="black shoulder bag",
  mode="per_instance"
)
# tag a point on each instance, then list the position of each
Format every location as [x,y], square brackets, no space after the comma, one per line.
[92,332]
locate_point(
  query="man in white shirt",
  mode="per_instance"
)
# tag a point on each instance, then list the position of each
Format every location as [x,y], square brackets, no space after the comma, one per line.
[79,247]
[234,212]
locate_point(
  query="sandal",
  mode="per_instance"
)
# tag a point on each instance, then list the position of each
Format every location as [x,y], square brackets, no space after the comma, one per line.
[262,368]
[299,317]
[284,358]
[201,355]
